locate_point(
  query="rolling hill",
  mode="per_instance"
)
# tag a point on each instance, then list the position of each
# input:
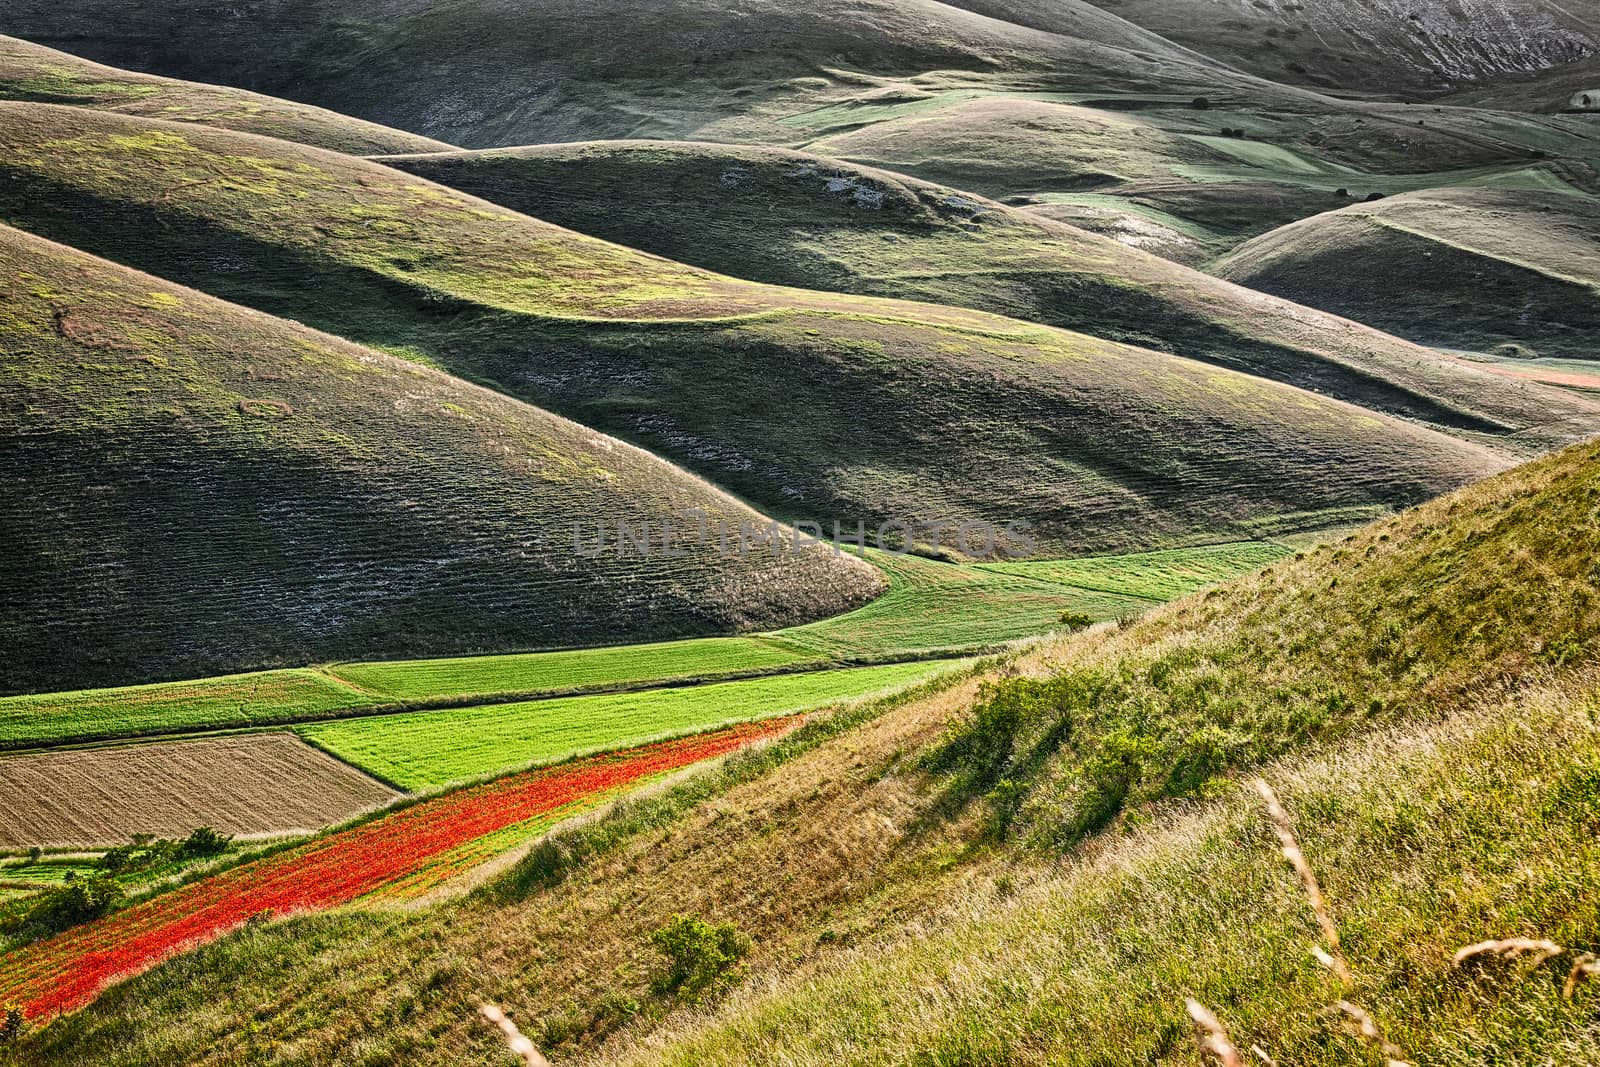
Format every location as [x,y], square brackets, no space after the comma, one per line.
[1429,680]
[1380,46]
[797,219]
[210,488]
[1513,273]
[43,75]
[486,72]
[820,407]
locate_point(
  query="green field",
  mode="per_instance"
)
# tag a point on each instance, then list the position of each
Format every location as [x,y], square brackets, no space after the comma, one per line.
[938,607]
[429,750]
[930,607]
[1153,575]
[168,707]
[545,672]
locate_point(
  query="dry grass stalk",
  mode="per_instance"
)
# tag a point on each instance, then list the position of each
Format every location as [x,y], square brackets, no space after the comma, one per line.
[1367,1030]
[1213,1038]
[1510,948]
[1261,1054]
[1584,968]
[518,1044]
[1333,956]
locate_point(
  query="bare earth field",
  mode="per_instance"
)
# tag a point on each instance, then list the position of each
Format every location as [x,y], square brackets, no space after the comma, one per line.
[246,785]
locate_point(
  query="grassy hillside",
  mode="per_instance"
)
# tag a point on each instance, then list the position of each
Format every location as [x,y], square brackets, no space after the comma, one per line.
[43,75]
[793,218]
[1211,175]
[820,407]
[483,72]
[1440,655]
[1483,269]
[1380,46]
[212,488]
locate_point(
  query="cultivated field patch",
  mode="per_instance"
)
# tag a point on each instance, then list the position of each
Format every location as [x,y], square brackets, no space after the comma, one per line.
[248,784]
[432,749]
[171,707]
[67,971]
[432,679]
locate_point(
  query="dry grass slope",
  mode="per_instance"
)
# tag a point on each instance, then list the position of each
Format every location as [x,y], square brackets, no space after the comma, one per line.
[211,488]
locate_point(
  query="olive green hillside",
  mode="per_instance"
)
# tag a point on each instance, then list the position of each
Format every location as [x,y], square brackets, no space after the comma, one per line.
[1480,269]
[792,218]
[813,406]
[44,75]
[1193,182]
[1390,47]
[486,72]
[194,487]
[1436,668]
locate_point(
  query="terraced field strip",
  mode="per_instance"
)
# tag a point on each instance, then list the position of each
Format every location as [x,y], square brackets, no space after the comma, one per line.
[1153,576]
[930,609]
[538,672]
[432,749]
[67,971]
[236,700]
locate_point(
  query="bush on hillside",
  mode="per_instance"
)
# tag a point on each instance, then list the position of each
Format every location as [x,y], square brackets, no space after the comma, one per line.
[76,901]
[699,954]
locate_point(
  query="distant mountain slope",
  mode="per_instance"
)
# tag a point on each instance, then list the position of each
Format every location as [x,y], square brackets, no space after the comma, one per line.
[193,487]
[485,72]
[814,406]
[793,218]
[1464,268]
[1382,46]
[43,75]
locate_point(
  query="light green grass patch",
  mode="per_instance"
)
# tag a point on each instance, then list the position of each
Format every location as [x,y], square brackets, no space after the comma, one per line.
[172,707]
[555,671]
[428,750]
[940,606]
[1153,575]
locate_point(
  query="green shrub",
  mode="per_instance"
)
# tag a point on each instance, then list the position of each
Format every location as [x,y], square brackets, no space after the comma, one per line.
[699,954]
[1076,620]
[12,1024]
[76,901]
[203,841]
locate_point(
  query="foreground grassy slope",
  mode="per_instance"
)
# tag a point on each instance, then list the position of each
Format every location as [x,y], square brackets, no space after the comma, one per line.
[1424,841]
[818,406]
[1424,833]
[485,72]
[214,488]
[794,218]
[44,75]
[1481,269]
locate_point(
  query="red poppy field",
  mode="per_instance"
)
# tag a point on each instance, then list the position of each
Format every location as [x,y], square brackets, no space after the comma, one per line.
[65,972]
